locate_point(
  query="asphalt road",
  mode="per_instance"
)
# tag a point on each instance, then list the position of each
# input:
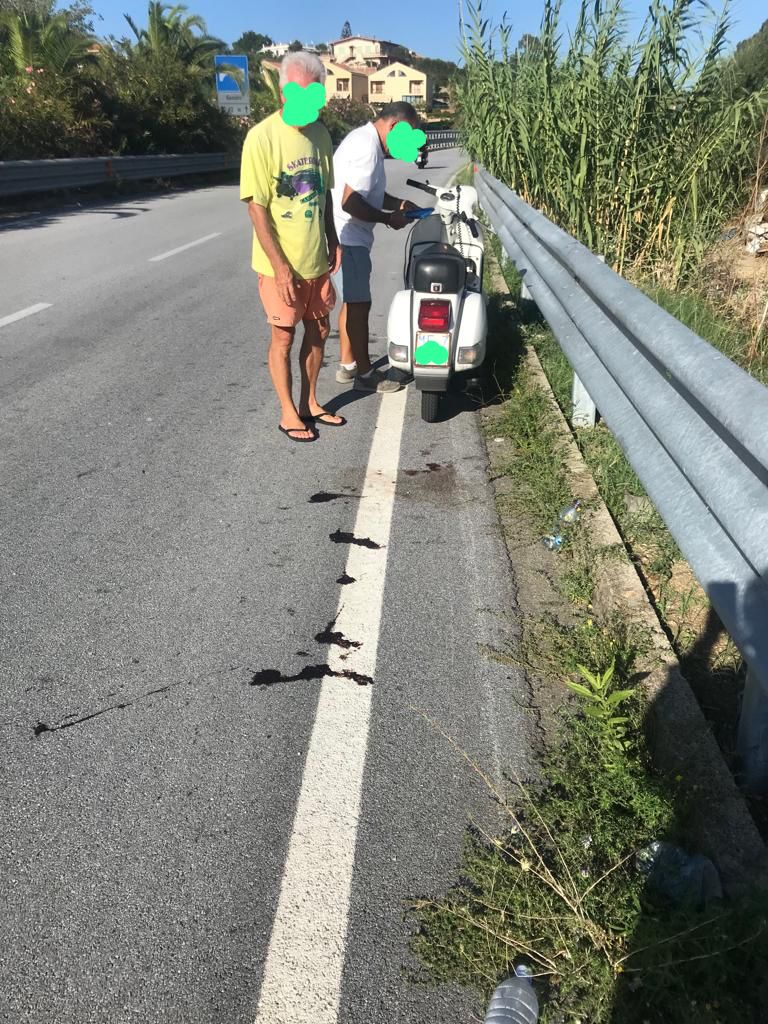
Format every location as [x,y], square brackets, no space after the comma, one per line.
[159,549]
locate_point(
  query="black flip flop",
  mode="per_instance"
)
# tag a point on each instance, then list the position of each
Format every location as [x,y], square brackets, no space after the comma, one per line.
[290,431]
[319,419]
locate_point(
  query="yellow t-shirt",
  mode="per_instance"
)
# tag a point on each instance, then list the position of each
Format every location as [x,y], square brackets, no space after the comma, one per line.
[288,171]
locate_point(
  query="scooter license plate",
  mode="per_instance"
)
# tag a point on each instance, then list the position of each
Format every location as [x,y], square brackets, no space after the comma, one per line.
[431,349]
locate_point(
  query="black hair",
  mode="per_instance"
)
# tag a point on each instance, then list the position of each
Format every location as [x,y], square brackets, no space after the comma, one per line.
[405,111]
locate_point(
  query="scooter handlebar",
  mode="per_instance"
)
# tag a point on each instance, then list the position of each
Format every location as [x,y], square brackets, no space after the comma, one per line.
[422,186]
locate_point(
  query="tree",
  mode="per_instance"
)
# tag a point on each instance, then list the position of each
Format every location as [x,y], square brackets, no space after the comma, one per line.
[39,8]
[322,47]
[170,33]
[346,31]
[46,42]
[401,53]
[441,72]
[251,42]
[295,46]
[80,15]
[529,44]
[751,61]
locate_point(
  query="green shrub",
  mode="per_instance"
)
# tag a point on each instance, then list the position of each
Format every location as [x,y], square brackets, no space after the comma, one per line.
[39,120]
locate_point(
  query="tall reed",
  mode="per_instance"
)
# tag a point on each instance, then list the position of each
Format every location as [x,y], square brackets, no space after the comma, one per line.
[639,147]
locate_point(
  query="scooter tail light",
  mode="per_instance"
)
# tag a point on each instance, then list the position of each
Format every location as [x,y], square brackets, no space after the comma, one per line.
[435,315]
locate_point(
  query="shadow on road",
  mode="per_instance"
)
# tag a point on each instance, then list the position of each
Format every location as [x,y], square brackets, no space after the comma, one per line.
[117,201]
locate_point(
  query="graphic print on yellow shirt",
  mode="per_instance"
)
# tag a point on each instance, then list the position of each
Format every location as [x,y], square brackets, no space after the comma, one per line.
[288,172]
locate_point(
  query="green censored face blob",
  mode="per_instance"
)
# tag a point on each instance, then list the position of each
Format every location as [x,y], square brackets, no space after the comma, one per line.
[303,103]
[404,142]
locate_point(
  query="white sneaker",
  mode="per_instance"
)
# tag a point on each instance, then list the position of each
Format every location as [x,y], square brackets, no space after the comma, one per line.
[376,381]
[345,376]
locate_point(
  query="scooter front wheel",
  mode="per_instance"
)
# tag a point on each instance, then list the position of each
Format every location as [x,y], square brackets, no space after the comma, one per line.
[430,405]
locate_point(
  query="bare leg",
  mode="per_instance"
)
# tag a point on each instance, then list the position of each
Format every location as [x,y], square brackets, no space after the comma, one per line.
[346,355]
[356,327]
[280,371]
[310,360]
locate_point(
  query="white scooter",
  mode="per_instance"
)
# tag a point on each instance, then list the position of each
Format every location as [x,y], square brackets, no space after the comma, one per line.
[437,324]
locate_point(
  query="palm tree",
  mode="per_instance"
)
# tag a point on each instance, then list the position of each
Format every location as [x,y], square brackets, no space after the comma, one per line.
[44,41]
[171,32]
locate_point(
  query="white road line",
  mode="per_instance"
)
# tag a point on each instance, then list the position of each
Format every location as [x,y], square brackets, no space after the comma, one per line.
[29,311]
[302,975]
[183,248]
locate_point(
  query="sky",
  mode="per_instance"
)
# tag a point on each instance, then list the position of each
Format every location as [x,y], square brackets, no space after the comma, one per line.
[429,27]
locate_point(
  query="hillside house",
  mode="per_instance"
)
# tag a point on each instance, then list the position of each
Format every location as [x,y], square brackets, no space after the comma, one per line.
[399,82]
[364,50]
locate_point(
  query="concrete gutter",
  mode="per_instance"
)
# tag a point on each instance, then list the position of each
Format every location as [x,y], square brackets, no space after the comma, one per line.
[682,743]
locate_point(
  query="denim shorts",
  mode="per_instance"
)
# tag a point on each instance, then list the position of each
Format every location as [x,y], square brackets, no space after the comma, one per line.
[353,280]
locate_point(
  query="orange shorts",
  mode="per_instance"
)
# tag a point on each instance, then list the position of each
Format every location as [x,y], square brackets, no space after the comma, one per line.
[314,300]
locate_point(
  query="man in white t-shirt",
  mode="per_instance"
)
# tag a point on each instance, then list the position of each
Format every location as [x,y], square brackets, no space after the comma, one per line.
[360,201]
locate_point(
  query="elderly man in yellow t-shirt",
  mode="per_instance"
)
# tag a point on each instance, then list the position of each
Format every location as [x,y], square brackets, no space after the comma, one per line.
[285,177]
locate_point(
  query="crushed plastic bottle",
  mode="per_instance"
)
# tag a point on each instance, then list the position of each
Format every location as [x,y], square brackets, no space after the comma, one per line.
[514,1001]
[677,877]
[554,540]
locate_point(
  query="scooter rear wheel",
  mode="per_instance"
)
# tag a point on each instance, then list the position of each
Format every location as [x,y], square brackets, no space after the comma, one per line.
[430,405]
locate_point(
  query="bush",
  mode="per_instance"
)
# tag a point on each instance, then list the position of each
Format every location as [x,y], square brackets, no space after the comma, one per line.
[340,116]
[157,105]
[40,120]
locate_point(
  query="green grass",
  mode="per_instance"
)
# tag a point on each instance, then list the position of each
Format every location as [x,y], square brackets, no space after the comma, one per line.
[717,327]
[465,175]
[559,888]
[536,464]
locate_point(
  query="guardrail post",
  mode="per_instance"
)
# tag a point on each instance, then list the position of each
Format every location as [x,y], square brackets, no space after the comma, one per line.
[583,409]
[752,736]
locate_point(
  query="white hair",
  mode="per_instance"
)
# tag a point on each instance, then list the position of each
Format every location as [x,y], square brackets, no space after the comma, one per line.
[308,63]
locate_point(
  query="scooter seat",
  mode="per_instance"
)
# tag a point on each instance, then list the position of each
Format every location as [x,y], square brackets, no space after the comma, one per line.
[437,269]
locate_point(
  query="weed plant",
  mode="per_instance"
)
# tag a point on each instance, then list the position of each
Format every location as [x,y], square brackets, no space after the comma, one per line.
[638,147]
[562,892]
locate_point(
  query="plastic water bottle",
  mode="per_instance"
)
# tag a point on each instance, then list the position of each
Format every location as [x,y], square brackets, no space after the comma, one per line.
[571,514]
[514,1001]
[554,540]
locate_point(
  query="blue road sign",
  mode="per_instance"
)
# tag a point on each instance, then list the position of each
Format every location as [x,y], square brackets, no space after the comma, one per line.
[225,82]
[232,95]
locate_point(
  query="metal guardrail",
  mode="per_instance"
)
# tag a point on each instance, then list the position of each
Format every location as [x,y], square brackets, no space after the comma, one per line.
[693,425]
[22,177]
[19,177]
[442,140]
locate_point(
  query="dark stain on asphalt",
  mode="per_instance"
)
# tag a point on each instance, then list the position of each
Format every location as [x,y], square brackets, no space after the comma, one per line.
[271,676]
[345,579]
[322,496]
[86,472]
[432,467]
[302,654]
[341,537]
[70,720]
[337,639]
